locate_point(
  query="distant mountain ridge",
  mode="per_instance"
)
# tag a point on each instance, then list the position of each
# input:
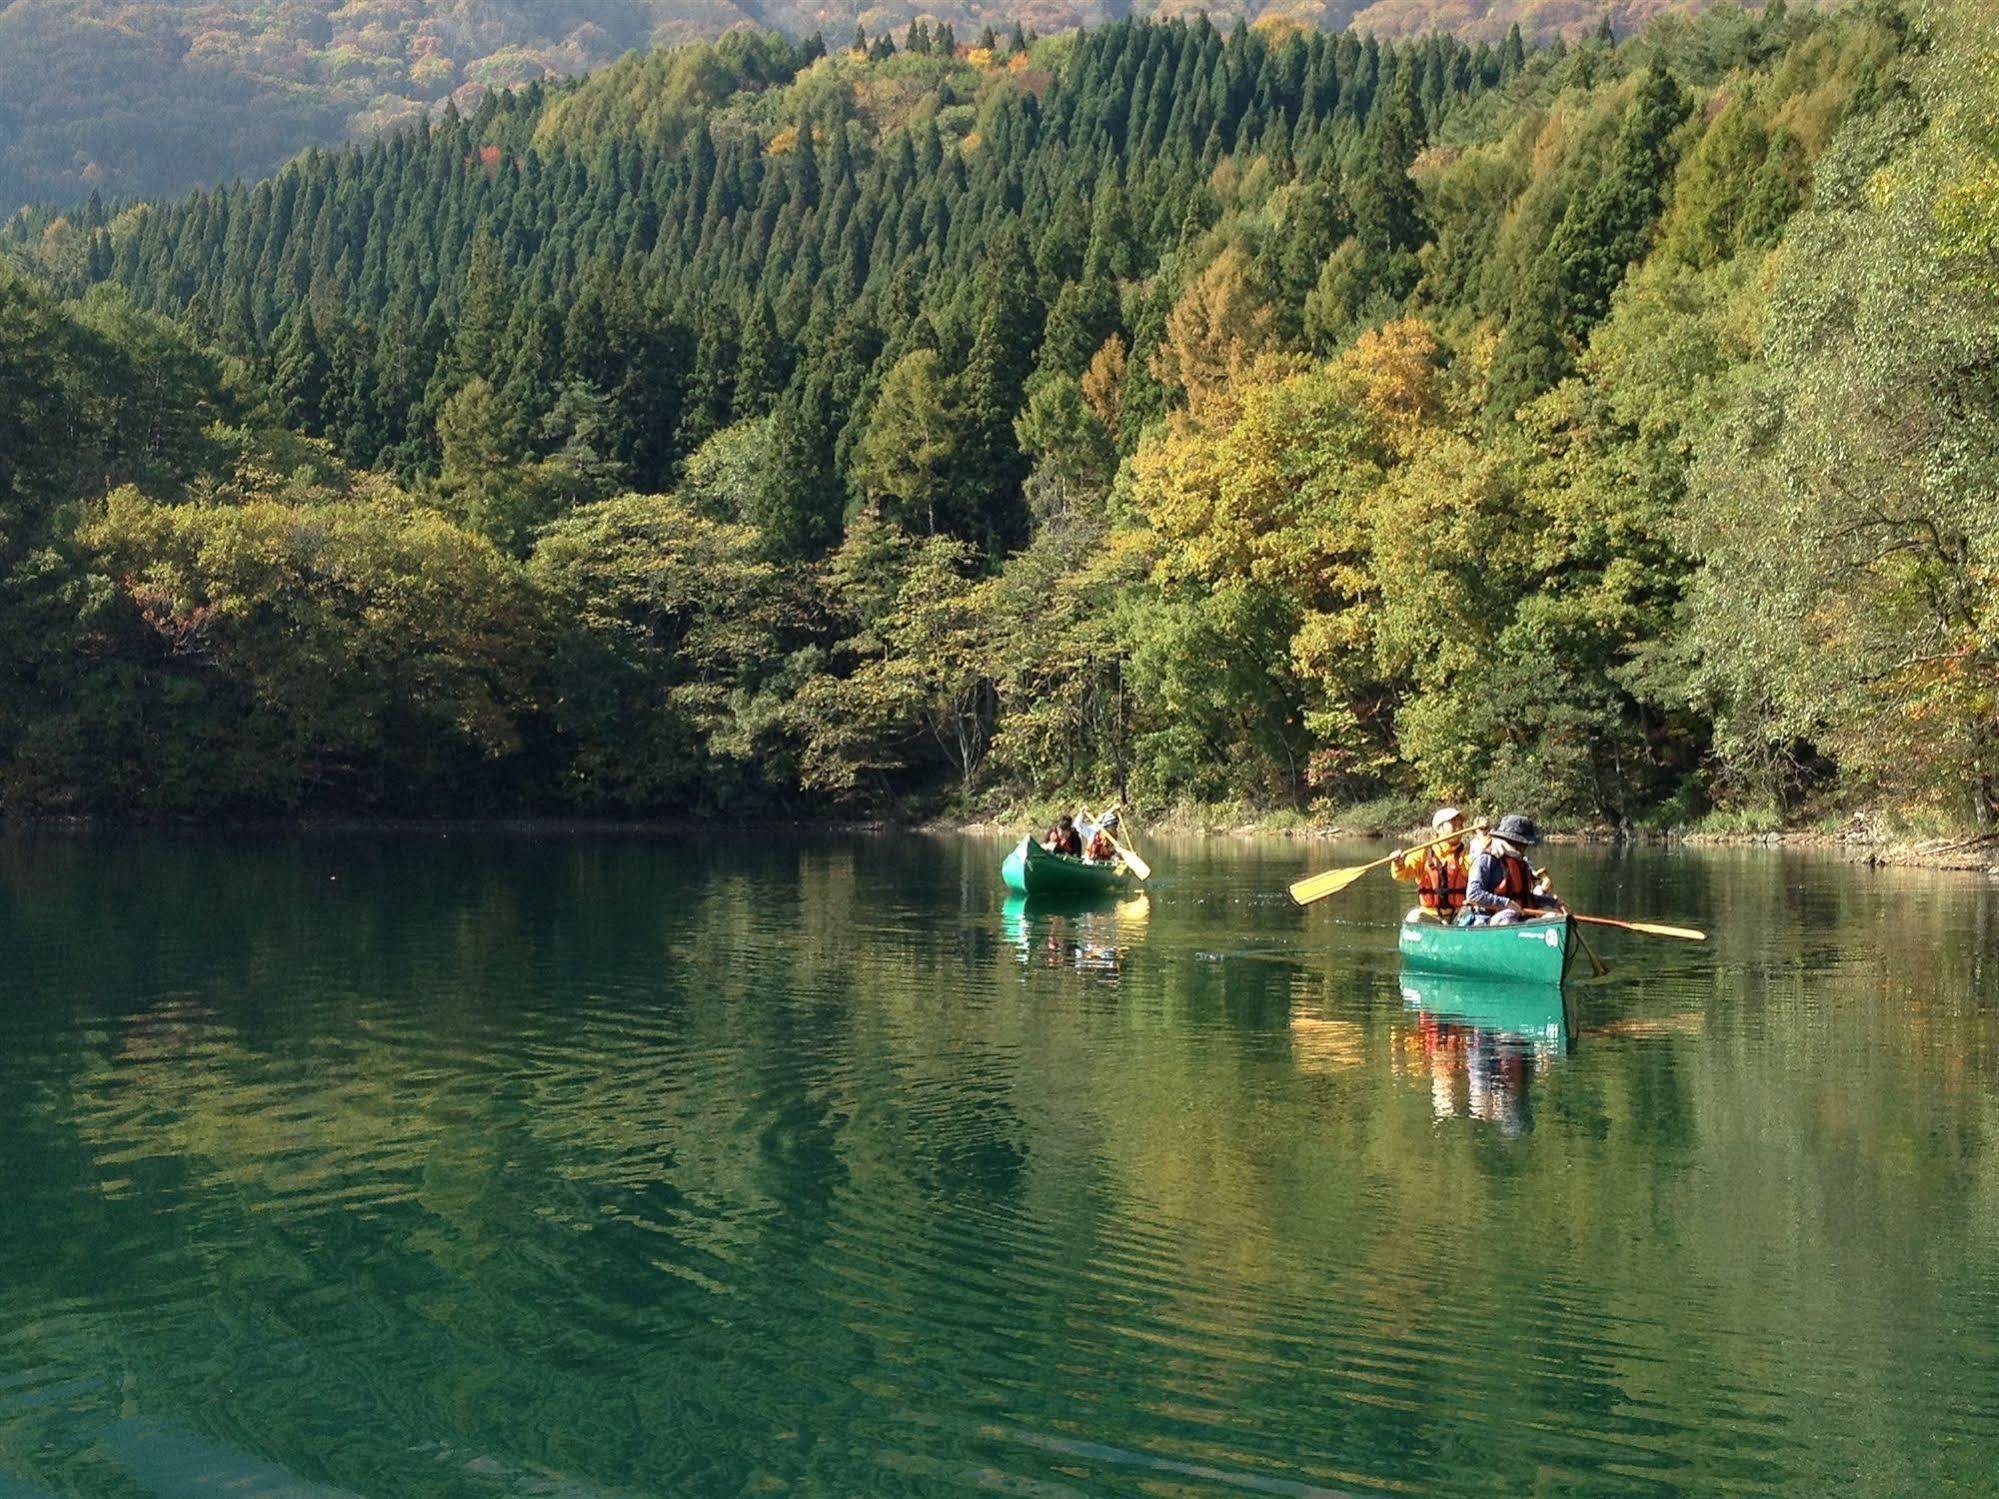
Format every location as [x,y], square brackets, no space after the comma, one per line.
[130,97]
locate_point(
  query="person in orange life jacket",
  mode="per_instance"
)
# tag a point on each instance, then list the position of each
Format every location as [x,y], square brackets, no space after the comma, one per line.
[1503,888]
[1063,838]
[1439,874]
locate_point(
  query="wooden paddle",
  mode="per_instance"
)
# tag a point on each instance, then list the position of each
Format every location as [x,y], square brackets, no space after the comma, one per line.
[1333,881]
[1648,928]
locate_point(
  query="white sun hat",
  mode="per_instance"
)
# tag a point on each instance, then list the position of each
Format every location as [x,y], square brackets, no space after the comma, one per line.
[1447,814]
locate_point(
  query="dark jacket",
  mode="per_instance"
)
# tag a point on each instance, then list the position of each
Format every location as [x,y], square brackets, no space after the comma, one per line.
[1498,879]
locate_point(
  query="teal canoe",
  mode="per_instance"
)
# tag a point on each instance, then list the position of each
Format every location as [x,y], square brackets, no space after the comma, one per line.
[1031,870]
[1533,952]
[1534,1012]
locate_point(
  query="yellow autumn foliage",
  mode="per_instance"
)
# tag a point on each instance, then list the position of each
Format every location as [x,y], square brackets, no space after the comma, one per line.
[1276,484]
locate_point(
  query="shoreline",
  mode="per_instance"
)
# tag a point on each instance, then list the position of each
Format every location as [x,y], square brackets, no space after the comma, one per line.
[1855,843]
[530,825]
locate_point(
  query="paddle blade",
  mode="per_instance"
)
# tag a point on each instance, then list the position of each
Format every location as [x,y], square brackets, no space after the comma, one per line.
[1132,861]
[1332,882]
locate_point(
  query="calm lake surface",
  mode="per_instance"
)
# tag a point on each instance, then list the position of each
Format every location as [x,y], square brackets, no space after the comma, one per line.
[591,1166]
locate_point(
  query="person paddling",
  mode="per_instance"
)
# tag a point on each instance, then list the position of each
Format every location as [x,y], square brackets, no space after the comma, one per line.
[1102,849]
[1064,839]
[1503,888]
[1441,874]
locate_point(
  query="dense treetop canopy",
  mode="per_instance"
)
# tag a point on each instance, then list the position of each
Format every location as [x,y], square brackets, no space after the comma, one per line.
[123,97]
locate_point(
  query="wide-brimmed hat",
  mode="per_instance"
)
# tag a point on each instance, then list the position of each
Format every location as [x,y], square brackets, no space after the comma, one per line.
[1446,814]
[1518,830]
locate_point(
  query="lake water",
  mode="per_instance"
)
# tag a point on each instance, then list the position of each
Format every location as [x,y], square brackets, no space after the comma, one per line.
[594,1166]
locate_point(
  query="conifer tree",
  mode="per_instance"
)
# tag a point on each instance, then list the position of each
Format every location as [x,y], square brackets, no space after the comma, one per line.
[800,508]
[804,173]
[760,373]
[1609,224]
[986,506]
[302,375]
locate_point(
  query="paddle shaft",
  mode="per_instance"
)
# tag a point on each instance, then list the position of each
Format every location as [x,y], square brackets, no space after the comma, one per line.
[1403,853]
[1649,929]
[1644,928]
[1332,881]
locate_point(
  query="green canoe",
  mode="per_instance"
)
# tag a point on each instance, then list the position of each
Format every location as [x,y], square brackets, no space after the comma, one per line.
[1032,870]
[1537,1012]
[1533,952]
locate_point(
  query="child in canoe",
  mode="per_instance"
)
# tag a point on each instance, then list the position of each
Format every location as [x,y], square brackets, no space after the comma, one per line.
[1102,850]
[1503,888]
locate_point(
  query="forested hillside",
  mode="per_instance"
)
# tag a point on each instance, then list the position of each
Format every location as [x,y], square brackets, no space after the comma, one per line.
[124,97]
[1265,416]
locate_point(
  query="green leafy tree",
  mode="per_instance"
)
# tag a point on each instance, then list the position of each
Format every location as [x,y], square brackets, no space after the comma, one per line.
[1845,516]
[916,438]
[266,685]
[912,679]
[1074,456]
[670,623]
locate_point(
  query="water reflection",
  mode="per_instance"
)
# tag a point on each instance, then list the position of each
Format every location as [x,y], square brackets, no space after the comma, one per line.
[1482,1045]
[614,1166]
[1092,935]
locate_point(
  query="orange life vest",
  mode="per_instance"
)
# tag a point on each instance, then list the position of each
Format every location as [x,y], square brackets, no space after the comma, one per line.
[1516,877]
[1446,872]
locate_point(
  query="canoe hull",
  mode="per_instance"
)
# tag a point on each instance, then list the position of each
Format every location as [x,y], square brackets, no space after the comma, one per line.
[1534,952]
[1533,1012]
[1031,870]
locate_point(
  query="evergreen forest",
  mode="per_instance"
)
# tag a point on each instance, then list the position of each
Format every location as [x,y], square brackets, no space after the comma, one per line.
[929,421]
[125,97]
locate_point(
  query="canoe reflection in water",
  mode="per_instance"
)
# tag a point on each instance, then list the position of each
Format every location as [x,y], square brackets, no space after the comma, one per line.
[1483,1044]
[1089,935]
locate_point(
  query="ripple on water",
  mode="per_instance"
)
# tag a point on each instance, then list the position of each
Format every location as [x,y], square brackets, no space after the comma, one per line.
[739,1171]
